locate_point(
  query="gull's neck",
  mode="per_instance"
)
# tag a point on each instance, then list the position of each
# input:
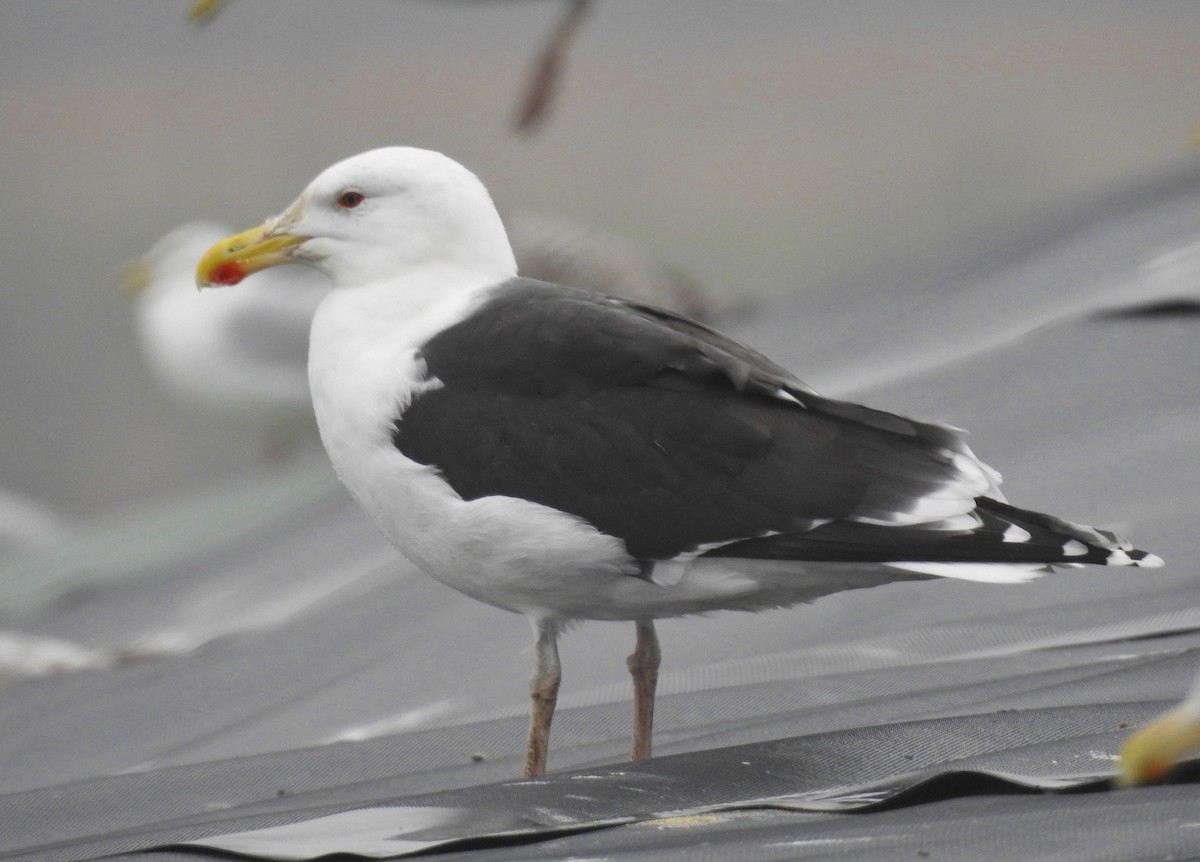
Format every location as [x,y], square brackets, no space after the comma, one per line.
[364,360]
[401,310]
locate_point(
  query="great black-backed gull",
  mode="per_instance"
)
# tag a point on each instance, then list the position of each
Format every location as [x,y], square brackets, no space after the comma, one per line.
[570,456]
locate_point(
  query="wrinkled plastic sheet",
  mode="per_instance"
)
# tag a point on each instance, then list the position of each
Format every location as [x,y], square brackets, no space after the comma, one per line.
[965,749]
[1062,749]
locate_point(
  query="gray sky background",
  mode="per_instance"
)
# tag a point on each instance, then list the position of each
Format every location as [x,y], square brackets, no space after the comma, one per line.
[766,146]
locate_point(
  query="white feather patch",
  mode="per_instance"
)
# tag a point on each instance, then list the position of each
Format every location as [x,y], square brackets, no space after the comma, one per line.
[1073,548]
[928,509]
[988,573]
[1016,534]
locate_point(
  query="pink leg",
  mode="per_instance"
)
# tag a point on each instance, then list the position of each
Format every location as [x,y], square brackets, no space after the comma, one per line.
[544,690]
[643,665]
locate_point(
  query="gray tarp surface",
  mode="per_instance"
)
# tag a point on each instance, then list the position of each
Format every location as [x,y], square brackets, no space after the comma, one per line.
[255,671]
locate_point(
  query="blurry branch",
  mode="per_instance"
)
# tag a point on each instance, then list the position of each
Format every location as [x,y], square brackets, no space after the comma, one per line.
[543,79]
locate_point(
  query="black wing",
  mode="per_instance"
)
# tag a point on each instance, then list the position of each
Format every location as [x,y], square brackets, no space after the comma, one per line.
[661,431]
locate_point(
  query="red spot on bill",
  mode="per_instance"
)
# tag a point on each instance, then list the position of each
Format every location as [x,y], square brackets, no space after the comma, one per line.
[230,272]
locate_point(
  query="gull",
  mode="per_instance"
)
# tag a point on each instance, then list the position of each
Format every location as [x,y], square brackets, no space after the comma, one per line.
[570,456]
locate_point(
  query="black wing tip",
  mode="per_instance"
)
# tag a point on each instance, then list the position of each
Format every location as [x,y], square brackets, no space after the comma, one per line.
[1005,535]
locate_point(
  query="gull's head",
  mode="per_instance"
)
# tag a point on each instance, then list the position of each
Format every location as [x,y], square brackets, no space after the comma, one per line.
[375,217]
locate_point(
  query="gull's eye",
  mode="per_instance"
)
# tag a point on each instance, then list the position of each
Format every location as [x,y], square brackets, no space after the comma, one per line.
[350,199]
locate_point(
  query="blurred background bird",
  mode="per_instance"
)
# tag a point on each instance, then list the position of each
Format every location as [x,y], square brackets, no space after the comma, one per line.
[1154,750]
[243,355]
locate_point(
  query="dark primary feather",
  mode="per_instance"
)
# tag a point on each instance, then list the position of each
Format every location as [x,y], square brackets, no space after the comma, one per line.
[1046,539]
[653,428]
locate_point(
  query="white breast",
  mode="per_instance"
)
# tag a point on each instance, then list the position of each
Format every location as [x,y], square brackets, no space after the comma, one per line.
[364,369]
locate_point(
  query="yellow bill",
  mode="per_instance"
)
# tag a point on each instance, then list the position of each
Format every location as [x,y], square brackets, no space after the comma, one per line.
[234,258]
[1150,753]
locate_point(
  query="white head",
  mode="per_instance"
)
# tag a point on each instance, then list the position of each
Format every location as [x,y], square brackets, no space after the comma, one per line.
[375,217]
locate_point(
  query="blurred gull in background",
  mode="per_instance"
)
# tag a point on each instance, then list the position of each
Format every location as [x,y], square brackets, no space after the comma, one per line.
[1152,752]
[550,248]
[243,355]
